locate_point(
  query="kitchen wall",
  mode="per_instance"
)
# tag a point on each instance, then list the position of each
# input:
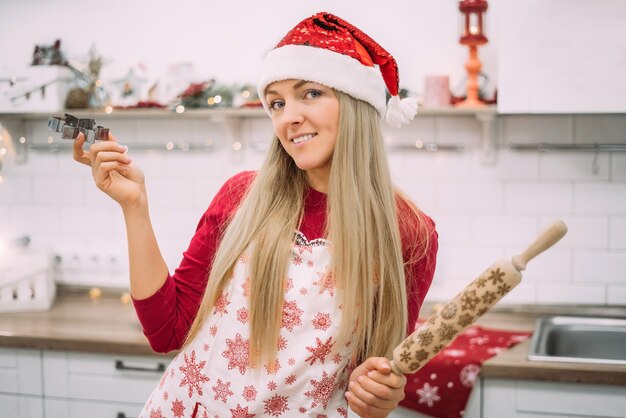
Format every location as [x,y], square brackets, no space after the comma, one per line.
[483,211]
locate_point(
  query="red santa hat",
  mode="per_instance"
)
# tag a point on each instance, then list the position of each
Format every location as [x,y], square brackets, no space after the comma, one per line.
[328,50]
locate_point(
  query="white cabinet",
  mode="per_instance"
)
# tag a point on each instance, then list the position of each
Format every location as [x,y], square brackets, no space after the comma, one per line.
[72,408]
[60,384]
[564,56]
[528,398]
[19,406]
[97,385]
[21,388]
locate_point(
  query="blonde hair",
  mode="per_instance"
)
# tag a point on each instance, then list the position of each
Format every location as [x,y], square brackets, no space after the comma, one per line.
[361,225]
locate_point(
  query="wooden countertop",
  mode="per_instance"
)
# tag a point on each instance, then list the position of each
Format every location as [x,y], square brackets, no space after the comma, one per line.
[77,323]
[106,325]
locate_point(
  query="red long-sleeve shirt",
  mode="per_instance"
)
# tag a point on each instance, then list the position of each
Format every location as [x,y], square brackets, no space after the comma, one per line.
[167,315]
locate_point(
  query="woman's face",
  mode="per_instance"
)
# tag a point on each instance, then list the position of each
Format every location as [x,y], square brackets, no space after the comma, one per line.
[305,116]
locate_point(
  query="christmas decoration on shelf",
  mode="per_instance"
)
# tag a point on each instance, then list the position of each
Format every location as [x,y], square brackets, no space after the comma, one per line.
[48,54]
[487,92]
[246,96]
[207,94]
[136,89]
[473,36]
[70,126]
[88,92]
[39,87]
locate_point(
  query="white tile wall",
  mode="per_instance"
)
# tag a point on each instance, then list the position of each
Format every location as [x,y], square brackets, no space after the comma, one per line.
[483,212]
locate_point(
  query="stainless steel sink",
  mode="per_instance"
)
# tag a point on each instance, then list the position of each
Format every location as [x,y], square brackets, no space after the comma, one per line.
[579,340]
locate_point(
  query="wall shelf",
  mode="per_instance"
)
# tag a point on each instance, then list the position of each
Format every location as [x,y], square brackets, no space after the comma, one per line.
[15,124]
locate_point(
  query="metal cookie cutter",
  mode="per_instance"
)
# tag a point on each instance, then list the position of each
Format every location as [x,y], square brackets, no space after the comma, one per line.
[70,126]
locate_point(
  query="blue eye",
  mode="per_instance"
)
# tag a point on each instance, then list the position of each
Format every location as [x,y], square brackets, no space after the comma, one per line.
[277,105]
[312,94]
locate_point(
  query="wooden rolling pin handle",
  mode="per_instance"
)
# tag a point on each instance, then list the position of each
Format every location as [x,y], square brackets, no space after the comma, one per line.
[546,239]
[396,369]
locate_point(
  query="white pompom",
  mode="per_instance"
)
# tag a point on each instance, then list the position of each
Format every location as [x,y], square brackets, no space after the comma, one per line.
[400,112]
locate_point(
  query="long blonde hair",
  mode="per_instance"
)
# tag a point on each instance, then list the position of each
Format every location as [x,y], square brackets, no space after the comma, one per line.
[361,225]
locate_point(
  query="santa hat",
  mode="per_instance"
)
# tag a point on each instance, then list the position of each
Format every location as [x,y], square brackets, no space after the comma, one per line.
[328,50]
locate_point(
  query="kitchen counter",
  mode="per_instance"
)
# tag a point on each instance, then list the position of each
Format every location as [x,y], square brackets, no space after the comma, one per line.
[106,325]
[77,323]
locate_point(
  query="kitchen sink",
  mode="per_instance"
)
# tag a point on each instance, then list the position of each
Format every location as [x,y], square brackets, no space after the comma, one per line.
[579,340]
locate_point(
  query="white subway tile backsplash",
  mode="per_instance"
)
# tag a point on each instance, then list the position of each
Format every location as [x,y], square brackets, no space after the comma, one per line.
[470,197]
[607,199]
[162,131]
[616,295]
[422,128]
[205,190]
[125,131]
[6,226]
[483,212]
[600,267]
[91,195]
[538,198]
[572,166]
[583,231]
[603,129]
[14,189]
[465,263]
[56,190]
[504,231]
[422,193]
[465,131]
[37,163]
[396,160]
[76,219]
[207,131]
[617,233]
[510,165]
[554,265]
[569,293]
[68,167]
[536,129]
[31,219]
[178,192]
[454,230]
[440,165]
[618,166]
[524,293]
[152,163]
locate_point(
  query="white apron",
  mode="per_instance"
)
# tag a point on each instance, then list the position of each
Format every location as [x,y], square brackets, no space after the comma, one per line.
[212,377]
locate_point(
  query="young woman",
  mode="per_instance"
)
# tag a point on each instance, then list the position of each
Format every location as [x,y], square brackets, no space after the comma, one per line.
[302,277]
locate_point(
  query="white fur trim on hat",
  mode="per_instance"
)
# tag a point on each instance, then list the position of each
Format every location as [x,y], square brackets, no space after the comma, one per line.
[323,66]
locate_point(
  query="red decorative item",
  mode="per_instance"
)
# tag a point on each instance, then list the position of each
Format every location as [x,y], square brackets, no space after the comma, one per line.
[472,35]
[443,386]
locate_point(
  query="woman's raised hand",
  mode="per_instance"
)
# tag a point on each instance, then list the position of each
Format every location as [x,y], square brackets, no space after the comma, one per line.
[113,171]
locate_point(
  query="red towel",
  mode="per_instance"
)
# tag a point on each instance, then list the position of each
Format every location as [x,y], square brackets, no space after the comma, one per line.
[442,387]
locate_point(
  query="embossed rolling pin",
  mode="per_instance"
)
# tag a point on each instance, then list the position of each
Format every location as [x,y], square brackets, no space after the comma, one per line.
[470,304]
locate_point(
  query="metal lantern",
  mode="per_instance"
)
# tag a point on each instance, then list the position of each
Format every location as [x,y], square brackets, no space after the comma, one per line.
[473,35]
[473,32]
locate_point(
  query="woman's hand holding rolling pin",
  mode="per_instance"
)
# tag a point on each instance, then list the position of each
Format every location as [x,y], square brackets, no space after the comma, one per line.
[374,390]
